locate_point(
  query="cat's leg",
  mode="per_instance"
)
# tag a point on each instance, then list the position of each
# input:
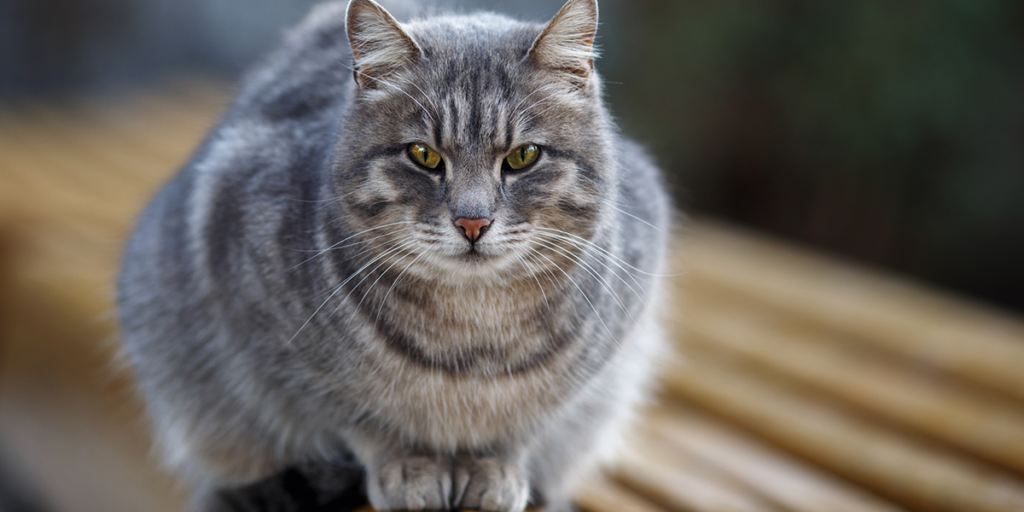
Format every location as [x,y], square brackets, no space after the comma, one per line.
[589,434]
[565,454]
[410,482]
[489,483]
[399,478]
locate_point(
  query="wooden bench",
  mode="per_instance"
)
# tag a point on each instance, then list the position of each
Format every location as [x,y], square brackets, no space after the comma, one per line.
[804,384]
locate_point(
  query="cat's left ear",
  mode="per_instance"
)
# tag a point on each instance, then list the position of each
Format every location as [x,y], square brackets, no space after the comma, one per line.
[567,42]
[380,47]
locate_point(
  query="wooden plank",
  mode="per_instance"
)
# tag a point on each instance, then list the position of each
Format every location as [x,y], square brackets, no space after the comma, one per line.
[952,334]
[680,483]
[780,479]
[153,130]
[893,465]
[106,154]
[602,495]
[33,154]
[982,425]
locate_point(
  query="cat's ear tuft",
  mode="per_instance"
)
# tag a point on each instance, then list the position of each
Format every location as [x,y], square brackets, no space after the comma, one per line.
[380,47]
[567,42]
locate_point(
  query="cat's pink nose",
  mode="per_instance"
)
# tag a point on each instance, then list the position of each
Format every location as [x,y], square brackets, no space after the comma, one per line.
[473,228]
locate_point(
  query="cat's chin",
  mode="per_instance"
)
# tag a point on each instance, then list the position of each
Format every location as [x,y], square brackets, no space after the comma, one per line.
[470,266]
[476,257]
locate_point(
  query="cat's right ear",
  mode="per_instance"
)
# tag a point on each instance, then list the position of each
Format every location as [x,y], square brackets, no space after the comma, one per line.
[567,42]
[380,47]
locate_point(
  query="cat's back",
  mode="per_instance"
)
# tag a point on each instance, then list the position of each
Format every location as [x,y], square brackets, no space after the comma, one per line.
[258,170]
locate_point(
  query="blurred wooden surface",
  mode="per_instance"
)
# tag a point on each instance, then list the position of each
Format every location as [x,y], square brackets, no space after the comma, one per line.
[807,384]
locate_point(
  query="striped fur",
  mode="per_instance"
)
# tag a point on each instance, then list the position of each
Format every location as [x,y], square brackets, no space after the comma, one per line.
[299,293]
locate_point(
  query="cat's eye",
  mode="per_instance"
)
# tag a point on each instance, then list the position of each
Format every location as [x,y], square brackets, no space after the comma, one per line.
[424,156]
[522,157]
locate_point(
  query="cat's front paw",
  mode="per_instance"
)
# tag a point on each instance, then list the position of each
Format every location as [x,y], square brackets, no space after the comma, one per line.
[415,483]
[490,485]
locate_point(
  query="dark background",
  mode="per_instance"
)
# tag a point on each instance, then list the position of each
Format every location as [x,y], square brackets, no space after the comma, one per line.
[890,132]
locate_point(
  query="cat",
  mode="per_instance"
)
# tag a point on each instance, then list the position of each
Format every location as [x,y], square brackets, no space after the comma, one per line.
[414,257]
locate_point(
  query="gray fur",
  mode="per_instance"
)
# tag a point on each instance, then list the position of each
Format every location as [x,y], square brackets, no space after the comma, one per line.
[299,294]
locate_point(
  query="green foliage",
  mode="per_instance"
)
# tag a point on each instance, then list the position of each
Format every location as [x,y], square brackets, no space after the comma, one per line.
[889,130]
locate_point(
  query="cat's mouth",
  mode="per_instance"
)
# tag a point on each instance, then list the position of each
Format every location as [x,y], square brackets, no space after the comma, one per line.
[473,254]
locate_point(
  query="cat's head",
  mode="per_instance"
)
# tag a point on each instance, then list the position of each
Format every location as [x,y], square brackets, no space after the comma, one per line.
[477,144]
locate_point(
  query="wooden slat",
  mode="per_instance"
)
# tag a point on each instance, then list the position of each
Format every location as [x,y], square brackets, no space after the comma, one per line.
[906,318]
[791,485]
[972,421]
[679,483]
[896,466]
[600,495]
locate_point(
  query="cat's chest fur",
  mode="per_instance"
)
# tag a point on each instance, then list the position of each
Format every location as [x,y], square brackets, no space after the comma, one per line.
[500,319]
[466,364]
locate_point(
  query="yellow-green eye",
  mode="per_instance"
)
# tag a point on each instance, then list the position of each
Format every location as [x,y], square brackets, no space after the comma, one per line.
[423,155]
[523,156]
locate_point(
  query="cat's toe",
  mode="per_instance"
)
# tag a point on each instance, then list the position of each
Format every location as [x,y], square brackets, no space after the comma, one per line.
[490,485]
[416,483]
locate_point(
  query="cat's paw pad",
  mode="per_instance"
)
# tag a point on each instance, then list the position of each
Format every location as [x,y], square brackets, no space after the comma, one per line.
[490,485]
[416,483]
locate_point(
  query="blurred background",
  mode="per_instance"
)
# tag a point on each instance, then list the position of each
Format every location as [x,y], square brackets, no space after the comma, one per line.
[889,133]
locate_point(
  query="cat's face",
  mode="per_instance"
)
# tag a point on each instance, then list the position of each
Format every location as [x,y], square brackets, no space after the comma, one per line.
[475,150]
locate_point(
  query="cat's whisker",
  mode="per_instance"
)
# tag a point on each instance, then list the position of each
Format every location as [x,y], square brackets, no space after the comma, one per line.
[352,244]
[398,249]
[590,251]
[584,295]
[624,212]
[386,295]
[382,246]
[590,270]
[532,265]
[337,288]
[605,251]
[324,251]
[325,202]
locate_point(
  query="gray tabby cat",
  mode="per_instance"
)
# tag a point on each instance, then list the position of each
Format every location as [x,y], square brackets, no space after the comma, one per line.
[437,266]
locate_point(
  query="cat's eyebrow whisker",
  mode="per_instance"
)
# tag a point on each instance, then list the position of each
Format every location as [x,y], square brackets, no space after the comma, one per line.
[395,87]
[521,116]
[425,95]
[528,96]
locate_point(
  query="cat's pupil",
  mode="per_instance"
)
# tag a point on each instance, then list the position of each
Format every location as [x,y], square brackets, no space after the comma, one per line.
[522,157]
[424,156]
